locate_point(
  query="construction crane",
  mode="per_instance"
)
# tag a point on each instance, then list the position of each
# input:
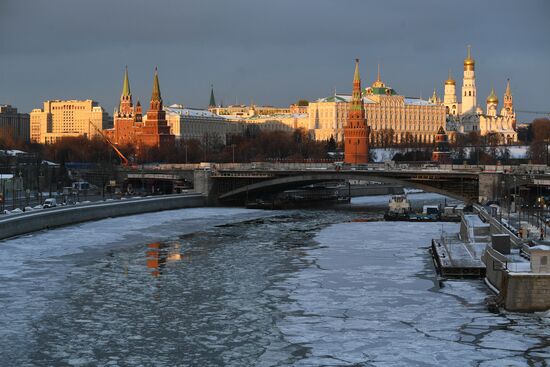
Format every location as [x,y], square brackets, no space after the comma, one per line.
[124,160]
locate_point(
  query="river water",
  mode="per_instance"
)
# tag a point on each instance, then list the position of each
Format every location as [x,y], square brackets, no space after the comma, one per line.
[236,287]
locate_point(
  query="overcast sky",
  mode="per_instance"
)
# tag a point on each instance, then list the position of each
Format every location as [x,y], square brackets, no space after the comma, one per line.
[272,52]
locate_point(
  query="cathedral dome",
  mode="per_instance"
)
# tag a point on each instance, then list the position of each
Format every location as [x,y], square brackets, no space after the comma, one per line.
[492,97]
[450,81]
[469,62]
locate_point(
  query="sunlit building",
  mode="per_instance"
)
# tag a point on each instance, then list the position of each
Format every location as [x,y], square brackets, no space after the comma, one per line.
[191,123]
[60,119]
[392,118]
[466,117]
[131,127]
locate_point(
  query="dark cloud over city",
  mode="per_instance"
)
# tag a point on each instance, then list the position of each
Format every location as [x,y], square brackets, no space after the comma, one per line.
[271,52]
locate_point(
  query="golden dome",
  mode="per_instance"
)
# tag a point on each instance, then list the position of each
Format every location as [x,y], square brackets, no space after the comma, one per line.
[492,97]
[450,80]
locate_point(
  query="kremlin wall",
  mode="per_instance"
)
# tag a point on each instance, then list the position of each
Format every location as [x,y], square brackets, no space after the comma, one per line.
[376,115]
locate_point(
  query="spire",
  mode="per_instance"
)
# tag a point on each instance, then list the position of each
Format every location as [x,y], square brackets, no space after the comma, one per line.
[356,76]
[469,61]
[126,84]
[378,82]
[156,88]
[508,90]
[357,100]
[434,96]
[450,80]
[212,102]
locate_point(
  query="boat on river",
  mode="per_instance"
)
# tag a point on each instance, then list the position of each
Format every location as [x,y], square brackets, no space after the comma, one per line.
[400,209]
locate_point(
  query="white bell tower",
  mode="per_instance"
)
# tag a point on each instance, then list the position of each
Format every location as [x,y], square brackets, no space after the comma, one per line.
[469,103]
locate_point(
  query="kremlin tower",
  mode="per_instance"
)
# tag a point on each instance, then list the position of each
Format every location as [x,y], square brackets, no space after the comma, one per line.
[356,132]
[129,127]
[441,153]
[126,118]
[156,131]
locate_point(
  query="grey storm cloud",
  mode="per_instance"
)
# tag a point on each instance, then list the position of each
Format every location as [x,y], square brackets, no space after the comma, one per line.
[271,52]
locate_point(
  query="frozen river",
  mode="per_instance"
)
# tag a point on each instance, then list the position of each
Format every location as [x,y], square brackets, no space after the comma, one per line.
[236,287]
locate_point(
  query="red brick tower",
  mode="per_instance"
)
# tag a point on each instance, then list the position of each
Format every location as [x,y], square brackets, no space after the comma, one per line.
[156,131]
[125,117]
[441,152]
[356,132]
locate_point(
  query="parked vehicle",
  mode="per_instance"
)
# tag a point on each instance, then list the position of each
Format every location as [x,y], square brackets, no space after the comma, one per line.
[50,203]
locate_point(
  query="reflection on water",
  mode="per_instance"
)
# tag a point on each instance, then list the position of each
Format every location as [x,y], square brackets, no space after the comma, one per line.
[159,254]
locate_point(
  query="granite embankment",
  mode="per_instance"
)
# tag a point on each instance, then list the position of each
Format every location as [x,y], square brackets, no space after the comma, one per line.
[18,224]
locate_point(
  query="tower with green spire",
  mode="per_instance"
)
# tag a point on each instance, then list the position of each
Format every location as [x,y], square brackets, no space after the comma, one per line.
[156,131]
[155,95]
[212,103]
[125,106]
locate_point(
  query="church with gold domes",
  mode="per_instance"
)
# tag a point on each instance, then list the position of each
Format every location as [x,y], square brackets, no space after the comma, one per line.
[466,117]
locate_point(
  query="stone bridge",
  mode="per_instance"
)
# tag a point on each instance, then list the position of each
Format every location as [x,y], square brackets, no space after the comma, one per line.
[236,186]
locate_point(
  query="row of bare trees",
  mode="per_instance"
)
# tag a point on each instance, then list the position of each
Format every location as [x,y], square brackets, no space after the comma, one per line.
[254,145]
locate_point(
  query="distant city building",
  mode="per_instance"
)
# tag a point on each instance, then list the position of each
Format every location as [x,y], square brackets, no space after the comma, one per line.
[131,127]
[14,125]
[392,118]
[191,123]
[236,111]
[356,130]
[467,117]
[61,119]
[272,122]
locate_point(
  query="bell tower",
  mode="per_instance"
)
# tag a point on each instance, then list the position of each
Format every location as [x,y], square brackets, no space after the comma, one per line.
[469,103]
[449,98]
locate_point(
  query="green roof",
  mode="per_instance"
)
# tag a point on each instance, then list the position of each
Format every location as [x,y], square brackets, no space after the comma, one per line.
[212,102]
[380,91]
[126,84]
[156,88]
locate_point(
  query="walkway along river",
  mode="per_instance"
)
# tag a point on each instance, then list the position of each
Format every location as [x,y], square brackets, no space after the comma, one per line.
[236,287]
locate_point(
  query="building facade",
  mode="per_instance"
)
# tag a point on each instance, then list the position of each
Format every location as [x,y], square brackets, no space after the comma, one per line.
[392,118]
[131,127]
[467,117]
[191,123]
[238,111]
[356,131]
[60,119]
[13,125]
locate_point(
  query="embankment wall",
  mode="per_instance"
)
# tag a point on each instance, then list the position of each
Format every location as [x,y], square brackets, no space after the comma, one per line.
[19,224]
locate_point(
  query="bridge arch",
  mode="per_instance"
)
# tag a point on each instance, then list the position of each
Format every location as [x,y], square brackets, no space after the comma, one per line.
[280,184]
